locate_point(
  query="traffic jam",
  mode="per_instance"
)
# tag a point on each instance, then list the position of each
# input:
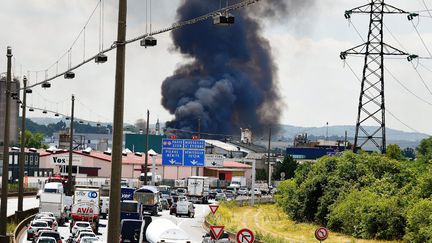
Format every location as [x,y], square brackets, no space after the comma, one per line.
[145,211]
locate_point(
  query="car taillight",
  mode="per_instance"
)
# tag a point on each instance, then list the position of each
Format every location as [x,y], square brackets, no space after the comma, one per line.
[30,227]
[59,241]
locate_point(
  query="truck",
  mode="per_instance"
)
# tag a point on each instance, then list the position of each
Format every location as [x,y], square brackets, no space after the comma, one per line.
[104,200]
[148,199]
[53,202]
[86,206]
[238,182]
[198,188]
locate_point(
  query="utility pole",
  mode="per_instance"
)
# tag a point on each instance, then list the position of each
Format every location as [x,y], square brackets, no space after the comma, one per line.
[116,158]
[5,190]
[268,157]
[371,108]
[146,148]
[22,154]
[199,137]
[71,134]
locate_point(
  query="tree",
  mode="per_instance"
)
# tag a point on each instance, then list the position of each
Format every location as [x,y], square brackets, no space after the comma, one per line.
[288,167]
[424,149]
[394,152]
[33,140]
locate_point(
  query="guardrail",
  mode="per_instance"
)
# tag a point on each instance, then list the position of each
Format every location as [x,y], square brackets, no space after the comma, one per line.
[26,215]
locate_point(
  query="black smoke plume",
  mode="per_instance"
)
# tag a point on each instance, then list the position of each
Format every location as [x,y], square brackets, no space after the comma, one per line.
[230,80]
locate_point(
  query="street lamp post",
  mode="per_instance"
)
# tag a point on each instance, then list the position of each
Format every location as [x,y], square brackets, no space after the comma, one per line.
[22,154]
[71,134]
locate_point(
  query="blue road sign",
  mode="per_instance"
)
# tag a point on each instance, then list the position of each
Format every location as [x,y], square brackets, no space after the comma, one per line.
[194,157]
[194,144]
[172,157]
[172,143]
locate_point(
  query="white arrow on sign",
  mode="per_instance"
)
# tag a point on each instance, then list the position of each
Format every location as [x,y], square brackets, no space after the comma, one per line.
[194,162]
[172,161]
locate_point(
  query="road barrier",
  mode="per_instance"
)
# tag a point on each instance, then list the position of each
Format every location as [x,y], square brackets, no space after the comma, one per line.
[27,216]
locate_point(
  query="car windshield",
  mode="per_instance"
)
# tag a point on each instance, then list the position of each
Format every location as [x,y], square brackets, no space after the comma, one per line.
[82,225]
[47,240]
[51,234]
[89,239]
[50,190]
[131,207]
[39,224]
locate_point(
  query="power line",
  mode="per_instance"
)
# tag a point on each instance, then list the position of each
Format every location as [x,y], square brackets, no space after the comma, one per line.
[174,26]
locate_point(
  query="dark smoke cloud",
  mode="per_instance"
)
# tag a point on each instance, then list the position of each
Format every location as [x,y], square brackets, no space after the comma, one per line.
[230,82]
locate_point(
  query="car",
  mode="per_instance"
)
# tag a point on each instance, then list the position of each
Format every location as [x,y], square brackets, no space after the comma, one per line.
[52,222]
[131,230]
[185,208]
[230,194]
[80,225]
[243,191]
[34,226]
[181,191]
[168,198]
[88,239]
[164,204]
[36,232]
[83,234]
[44,214]
[48,233]
[45,239]
[209,238]
[220,196]
[173,209]
[256,191]
[212,194]
[79,232]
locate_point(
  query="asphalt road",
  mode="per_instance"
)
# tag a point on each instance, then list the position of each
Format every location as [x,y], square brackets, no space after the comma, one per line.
[29,202]
[192,226]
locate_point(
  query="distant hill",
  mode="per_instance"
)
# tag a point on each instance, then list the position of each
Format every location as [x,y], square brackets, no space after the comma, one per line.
[339,131]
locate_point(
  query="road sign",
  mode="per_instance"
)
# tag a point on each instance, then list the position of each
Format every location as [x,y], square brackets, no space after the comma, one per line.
[194,157]
[217,231]
[214,160]
[172,157]
[321,234]
[193,144]
[183,152]
[213,208]
[245,236]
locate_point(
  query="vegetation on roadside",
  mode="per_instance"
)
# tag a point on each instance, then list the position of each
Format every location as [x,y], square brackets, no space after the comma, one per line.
[11,228]
[271,225]
[369,196]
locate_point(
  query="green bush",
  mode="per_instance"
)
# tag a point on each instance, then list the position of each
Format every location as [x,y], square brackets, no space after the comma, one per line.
[365,214]
[419,222]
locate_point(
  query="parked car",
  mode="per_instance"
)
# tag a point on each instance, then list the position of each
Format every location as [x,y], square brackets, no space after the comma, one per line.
[243,191]
[49,233]
[46,240]
[34,226]
[209,238]
[80,225]
[220,196]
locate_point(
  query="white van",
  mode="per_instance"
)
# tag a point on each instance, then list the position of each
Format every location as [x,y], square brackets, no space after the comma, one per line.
[53,187]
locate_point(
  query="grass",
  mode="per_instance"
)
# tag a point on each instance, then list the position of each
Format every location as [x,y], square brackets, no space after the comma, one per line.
[271,225]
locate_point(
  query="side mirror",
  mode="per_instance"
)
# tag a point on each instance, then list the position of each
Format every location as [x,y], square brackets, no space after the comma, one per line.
[62,238]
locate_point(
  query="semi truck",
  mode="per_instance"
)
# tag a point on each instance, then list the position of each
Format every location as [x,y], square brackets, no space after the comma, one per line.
[52,200]
[198,188]
[86,206]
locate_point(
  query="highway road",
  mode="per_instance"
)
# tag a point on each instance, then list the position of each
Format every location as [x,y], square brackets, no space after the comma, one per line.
[29,202]
[192,226]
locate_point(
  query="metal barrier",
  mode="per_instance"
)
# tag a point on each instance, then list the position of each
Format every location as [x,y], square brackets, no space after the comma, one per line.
[27,216]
